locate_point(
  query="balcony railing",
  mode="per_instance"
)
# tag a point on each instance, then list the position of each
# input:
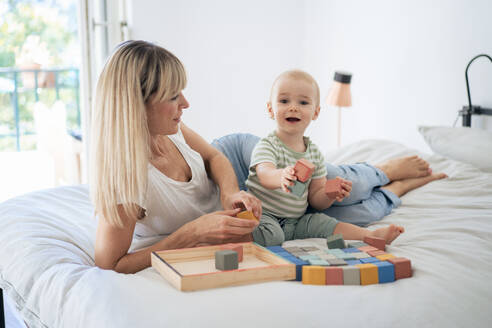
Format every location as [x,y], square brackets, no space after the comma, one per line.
[20,89]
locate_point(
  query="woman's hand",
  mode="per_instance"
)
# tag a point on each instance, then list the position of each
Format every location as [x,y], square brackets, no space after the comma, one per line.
[243,200]
[221,227]
[287,177]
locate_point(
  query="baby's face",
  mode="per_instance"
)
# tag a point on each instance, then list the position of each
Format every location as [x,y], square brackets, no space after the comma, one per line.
[293,105]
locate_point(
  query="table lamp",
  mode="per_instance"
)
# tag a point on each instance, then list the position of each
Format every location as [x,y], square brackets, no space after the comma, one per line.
[340,96]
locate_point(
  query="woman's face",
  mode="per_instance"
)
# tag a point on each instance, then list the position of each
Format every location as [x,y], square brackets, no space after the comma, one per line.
[163,117]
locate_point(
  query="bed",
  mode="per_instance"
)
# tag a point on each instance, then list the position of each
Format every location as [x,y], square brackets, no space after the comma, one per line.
[47,265]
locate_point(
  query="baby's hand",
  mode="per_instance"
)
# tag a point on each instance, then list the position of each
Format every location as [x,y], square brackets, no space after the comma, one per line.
[338,188]
[287,178]
[346,189]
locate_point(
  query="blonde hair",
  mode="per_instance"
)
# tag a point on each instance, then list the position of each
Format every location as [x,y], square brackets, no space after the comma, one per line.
[137,74]
[298,75]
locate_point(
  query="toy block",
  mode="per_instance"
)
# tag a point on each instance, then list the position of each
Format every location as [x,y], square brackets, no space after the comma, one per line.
[226,260]
[353,262]
[275,249]
[298,188]
[334,276]
[337,262]
[351,275]
[367,248]
[335,241]
[318,252]
[327,256]
[318,262]
[309,257]
[299,265]
[357,244]
[376,253]
[368,274]
[379,243]
[385,257]
[299,254]
[304,169]
[369,260]
[351,250]
[386,272]
[361,255]
[292,249]
[335,251]
[235,247]
[310,248]
[403,267]
[246,215]
[346,256]
[333,188]
[313,275]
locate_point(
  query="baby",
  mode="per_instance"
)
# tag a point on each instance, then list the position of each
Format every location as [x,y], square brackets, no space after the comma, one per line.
[294,103]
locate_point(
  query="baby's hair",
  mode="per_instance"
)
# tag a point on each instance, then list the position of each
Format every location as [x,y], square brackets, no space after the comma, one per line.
[298,75]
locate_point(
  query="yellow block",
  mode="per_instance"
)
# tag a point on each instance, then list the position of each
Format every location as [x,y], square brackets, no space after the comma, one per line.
[313,275]
[385,257]
[246,215]
[368,273]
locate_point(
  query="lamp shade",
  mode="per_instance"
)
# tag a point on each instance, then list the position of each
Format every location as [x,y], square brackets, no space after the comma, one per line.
[339,94]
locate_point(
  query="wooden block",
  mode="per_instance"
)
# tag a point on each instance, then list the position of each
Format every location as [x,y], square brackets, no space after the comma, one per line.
[303,169]
[318,261]
[335,241]
[313,275]
[335,251]
[403,267]
[247,215]
[368,274]
[333,188]
[369,260]
[327,256]
[376,253]
[357,244]
[379,243]
[367,249]
[385,257]
[346,256]
[337,262]
[351,250]
[226,260]
[292,249]
[353,262]
[310,248]
[298,188]
[334,276]
[351,275]
[361,255]
[235,247]
[275,249]
[309,257]
[386,272]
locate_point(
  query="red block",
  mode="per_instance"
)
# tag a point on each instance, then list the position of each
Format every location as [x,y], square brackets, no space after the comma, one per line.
[376,253]
[333,188]
[303,169]
[367,249]
[403,267]
[334,276]
[234,247]
[379,243]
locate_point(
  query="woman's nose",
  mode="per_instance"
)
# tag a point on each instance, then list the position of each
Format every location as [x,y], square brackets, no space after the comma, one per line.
[184,102]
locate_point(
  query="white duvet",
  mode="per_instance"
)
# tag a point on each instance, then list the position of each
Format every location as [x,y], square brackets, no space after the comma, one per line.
[47,266]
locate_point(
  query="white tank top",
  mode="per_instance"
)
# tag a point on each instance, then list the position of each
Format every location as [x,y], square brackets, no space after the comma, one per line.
[169,203]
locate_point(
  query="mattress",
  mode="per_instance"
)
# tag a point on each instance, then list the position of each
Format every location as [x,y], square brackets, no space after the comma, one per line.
[47,265]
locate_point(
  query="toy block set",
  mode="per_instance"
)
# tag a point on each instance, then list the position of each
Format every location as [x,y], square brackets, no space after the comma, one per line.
[361,263]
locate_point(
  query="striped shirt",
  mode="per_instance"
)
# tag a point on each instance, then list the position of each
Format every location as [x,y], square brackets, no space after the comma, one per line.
[278,202]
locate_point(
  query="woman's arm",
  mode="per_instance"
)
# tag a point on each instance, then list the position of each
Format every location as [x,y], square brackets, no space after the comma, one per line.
[113,243]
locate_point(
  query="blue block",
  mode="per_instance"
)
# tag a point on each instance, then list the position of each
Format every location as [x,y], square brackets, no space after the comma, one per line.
[298,188]
[351,250]
[386,271]
[283,254]
[353,262]
[275,249]
[370,260]
[299,266]
[346,256]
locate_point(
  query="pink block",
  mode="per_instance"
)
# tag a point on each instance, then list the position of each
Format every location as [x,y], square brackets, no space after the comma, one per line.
[334,276]
[376,253]
[333,188]
[234,247]
[367,249]
[403,267]
[303,169]
[379,243]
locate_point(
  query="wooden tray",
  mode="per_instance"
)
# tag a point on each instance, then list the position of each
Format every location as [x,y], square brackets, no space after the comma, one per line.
[191,269]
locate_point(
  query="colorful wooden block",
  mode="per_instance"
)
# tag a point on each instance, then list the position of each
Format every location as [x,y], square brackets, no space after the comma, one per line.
[309,257]
[351,250]
[304,169]
[369,260]
[246,215]
[335,251]
[275,249]
[346,256]
[361,255]
[327,256]
[337,262]
[310,248]
[313,275]
[235,247]
[353,262]
[334,276]
[386,272]
[376,253]
[403,267]
[292,249]
[357,244]
[226,260]
[318,262]
[385,257]
[299,264]
[367,248]
[333,188]
[379,243]
[351,275]
[368,274]
[298,188]
[335,241]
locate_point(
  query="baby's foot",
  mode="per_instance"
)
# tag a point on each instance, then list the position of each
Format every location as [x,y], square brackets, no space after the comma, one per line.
[388,233]
[405,167]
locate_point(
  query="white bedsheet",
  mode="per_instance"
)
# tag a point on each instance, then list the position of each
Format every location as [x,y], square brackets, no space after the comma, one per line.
[47,266]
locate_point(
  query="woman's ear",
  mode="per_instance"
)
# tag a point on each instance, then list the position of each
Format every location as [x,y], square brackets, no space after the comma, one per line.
[316,113]
[270,110]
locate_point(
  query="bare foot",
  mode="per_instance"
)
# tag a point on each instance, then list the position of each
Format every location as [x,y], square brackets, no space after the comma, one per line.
[405,167]
[388,233]
[401,187]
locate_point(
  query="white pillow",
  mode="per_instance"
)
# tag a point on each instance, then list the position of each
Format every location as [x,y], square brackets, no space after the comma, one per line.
[472,146]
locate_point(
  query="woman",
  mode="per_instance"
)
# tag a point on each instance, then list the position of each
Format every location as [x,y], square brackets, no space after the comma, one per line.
[150,174]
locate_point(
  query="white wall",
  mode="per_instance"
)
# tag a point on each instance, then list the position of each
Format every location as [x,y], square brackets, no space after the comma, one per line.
[407,57]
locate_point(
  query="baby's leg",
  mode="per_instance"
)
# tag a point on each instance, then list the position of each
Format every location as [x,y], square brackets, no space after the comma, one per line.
[268,232]
[313,225]
[353,232]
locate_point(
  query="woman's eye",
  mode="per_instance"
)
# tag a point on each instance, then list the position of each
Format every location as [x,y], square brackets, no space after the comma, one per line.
[174,98]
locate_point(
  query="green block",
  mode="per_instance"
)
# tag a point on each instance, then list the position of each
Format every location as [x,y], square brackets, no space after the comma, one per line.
[337,262]
[298,188]
[335,241]
[226,260]
[318,262]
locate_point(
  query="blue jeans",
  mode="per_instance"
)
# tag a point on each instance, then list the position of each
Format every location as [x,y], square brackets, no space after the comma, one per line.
[367,202]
